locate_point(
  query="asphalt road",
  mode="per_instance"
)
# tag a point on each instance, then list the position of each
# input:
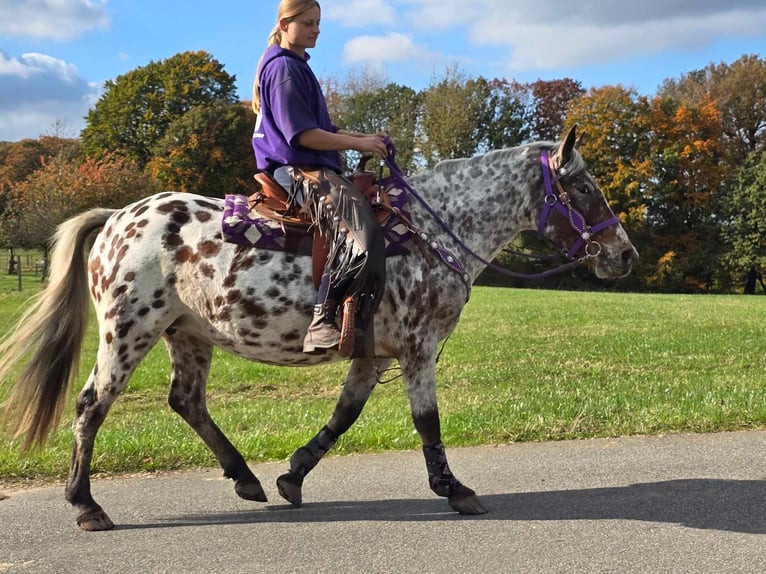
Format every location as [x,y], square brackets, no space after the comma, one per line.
[680,504]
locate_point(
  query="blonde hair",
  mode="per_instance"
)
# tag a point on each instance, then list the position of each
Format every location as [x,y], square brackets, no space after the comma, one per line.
[288,9]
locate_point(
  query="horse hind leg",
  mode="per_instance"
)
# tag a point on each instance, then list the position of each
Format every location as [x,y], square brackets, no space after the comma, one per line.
[107,380]
[191,358]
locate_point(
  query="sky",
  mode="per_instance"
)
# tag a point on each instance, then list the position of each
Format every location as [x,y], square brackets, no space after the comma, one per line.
[55,55]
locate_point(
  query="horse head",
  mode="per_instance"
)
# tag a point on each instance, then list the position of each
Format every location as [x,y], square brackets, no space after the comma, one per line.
[576,216]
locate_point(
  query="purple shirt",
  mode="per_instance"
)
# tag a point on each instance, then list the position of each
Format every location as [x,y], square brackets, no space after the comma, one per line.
[291,103]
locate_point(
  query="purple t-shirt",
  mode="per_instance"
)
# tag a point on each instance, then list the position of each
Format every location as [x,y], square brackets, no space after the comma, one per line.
[291,103]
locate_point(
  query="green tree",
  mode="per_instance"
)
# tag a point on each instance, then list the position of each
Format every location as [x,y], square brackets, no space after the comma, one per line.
[207,151]
[368,105]
[453,117]
[744,213]
[508,113]
[137,108]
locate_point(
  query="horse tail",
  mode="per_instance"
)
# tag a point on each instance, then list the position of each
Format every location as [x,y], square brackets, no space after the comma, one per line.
[54,325]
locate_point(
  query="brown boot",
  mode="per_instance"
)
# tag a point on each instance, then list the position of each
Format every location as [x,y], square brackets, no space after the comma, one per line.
[323,333]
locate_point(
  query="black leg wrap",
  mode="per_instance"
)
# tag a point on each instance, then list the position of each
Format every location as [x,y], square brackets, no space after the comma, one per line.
[307,457]
[440,477]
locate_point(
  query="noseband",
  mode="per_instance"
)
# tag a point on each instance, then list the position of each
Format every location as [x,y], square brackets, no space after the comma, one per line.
[558,199]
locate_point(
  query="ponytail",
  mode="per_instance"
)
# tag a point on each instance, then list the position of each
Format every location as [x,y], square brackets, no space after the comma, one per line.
[274,38]
[287,9]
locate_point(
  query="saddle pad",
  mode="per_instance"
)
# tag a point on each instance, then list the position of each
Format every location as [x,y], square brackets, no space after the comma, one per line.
[242,226]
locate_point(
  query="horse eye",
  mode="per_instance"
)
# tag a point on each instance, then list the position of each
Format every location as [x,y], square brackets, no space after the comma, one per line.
[585,188]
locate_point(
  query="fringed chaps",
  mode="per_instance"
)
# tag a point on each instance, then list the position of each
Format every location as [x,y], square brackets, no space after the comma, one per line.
[356,263]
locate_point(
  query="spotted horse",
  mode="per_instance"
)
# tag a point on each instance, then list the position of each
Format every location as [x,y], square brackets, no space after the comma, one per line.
[159,269]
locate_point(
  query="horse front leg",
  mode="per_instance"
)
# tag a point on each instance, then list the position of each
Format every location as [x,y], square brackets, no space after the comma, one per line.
[360,381]
[419,374]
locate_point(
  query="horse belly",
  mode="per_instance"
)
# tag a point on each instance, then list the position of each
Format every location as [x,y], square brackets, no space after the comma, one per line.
[256,304]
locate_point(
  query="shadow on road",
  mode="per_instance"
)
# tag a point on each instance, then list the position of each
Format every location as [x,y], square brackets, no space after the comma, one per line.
[711,504]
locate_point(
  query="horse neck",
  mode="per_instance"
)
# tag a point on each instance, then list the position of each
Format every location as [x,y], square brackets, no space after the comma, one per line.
[484,200]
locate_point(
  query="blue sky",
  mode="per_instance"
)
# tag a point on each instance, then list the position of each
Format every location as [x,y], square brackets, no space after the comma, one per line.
[55,55]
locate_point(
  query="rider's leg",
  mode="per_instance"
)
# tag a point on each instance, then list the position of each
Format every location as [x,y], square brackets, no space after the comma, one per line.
[323,332]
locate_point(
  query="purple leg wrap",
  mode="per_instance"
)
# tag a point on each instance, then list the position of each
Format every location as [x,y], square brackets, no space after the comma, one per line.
[307,457]
[440,477]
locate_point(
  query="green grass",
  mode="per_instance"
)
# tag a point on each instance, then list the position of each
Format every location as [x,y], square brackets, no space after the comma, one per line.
[523,365]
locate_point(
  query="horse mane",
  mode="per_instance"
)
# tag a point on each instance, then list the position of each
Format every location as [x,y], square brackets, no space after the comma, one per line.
[447,167]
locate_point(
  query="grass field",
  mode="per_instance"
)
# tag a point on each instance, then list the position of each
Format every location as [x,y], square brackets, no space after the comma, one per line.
[523,365]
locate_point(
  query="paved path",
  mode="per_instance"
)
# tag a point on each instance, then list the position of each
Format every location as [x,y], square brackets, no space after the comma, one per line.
[680,504]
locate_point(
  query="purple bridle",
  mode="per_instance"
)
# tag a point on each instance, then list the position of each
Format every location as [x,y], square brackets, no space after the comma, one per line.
[560,202]
[552,200]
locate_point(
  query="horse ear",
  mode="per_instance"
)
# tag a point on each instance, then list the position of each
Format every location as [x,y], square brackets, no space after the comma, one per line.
[564,152]
[579,141]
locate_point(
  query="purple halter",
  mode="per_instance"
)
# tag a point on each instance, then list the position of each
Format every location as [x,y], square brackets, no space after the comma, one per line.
[560,202]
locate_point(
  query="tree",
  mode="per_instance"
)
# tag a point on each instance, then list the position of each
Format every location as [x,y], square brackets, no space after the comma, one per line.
[137,108]
[615,124]
[739,90]
[207,151]
[509,114]
[367,104]
[744,213]
[453,117]
[551,100]
[19,159]
[686,181]
[62,188]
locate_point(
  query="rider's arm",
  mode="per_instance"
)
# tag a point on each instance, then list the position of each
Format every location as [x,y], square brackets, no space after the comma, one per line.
[323,140]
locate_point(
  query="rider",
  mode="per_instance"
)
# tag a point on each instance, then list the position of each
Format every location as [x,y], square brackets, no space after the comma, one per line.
[293,129]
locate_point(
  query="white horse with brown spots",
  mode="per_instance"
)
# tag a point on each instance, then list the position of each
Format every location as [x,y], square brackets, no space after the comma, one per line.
[159,269]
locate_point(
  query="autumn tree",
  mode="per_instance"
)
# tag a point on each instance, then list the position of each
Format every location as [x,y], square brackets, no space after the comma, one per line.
[551,101]
[18,161]
[62,188]
[615,125]
[137,108]
[207,151]
[739,91]
[687,178]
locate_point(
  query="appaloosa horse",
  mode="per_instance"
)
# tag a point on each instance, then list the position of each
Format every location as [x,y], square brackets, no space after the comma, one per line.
[159,268]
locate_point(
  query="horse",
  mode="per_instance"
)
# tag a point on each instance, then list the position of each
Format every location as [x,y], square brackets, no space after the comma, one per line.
[160,269]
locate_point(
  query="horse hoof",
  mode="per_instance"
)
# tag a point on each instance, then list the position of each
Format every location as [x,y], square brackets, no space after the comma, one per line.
[250,490]
[95,520]
[290,490]
[468,505]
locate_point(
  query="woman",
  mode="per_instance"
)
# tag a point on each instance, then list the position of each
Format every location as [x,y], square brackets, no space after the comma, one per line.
[293,129]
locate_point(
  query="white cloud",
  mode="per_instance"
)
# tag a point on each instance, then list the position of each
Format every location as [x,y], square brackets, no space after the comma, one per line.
[388,48]
[359,13]
[630,36]
[440,14]
[55,19]
[37,91]
[557,33]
